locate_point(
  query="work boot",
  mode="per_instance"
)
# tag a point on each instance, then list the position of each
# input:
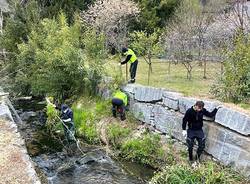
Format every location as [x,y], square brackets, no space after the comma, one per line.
[123,117]
[131,81]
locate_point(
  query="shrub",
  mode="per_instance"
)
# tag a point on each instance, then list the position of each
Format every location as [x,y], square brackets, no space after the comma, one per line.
[86,125]
[207,173]
[116,134]
[234,85]
[146,149]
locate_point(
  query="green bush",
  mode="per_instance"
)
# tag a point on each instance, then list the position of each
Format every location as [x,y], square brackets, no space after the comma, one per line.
[117,134]
[146,149]
[234,85]
[86,125]
[207,173]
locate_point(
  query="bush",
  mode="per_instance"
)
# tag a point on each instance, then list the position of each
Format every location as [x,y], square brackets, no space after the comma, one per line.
[86,125]
[146,150]
[234,85]
[207,173]
[117,134]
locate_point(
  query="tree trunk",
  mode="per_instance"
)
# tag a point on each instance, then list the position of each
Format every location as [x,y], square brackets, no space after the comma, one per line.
[149,71]
[169,65]
[126,71]
[205,70]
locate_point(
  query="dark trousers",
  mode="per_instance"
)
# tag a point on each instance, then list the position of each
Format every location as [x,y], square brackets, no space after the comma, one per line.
[69,131]
[133,69]
[118,103]
[200,137]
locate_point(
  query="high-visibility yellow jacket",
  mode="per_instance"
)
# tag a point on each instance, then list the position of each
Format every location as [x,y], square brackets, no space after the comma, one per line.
[133,56]
[122,96]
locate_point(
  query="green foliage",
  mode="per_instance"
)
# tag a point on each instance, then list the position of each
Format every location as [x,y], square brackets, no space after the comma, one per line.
[154,14]
[234,85]
[87,113]
[145,44]
[51,61]
[117,134]
[95,53]
[207,173]
[146,150]
[86,125]
[50,8]
[19,24]
[53,123]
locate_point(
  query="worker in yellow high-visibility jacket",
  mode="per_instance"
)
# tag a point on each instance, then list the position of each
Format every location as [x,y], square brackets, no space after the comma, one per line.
[132,59]
[119,103]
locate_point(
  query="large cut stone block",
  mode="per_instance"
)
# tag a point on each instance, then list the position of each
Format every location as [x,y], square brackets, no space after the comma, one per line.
[148,94]
[142,112]
[227,146]
[171,99]
[130,88]
[168,122]
[234,120]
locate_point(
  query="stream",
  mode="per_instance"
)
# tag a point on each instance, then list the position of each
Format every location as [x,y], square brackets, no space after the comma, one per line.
[55,166]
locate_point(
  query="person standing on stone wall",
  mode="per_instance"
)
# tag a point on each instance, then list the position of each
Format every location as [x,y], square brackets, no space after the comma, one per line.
[194,118]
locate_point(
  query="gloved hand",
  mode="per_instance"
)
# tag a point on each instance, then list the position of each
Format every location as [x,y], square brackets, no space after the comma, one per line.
[184,133]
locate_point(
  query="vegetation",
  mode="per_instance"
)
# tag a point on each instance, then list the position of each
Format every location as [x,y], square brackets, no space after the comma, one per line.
[147,46]
[146,149]
[117,134]
[176,78]
[208,172]
[234,85]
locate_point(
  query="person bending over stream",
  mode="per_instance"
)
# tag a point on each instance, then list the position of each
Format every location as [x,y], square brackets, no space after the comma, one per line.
[68,123]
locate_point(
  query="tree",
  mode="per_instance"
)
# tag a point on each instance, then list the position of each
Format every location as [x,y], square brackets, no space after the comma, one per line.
[95,54]
[111,17]
[51,61]
[50,8]
[154,14]
[187,38]
[146,45]
[19,24]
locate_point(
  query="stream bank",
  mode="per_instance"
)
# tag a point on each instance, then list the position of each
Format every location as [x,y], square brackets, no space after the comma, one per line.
[55,166]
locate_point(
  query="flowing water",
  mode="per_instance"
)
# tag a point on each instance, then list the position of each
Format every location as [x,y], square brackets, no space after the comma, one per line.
[57,167]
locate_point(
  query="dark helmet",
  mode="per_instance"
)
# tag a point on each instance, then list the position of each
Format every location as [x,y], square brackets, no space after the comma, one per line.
[124,49]
[64,107]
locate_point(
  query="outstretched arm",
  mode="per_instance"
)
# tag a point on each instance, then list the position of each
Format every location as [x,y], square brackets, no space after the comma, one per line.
[210,114]
[126,60]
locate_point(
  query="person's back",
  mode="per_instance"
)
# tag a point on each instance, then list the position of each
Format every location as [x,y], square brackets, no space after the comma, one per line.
[119,102]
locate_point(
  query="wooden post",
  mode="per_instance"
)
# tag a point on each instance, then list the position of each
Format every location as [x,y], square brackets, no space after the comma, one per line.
[1,22]
[126,71]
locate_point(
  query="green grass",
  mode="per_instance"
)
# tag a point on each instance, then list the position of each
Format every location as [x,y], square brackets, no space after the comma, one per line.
[88,112]
[145,150]
[206,173]
[176,80]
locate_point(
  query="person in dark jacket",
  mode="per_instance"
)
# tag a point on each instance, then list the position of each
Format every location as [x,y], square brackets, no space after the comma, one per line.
[132,59]
[194,118]
[68,123]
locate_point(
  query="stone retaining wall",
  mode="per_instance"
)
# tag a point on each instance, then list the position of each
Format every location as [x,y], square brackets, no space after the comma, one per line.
[228,135]
[15,163]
